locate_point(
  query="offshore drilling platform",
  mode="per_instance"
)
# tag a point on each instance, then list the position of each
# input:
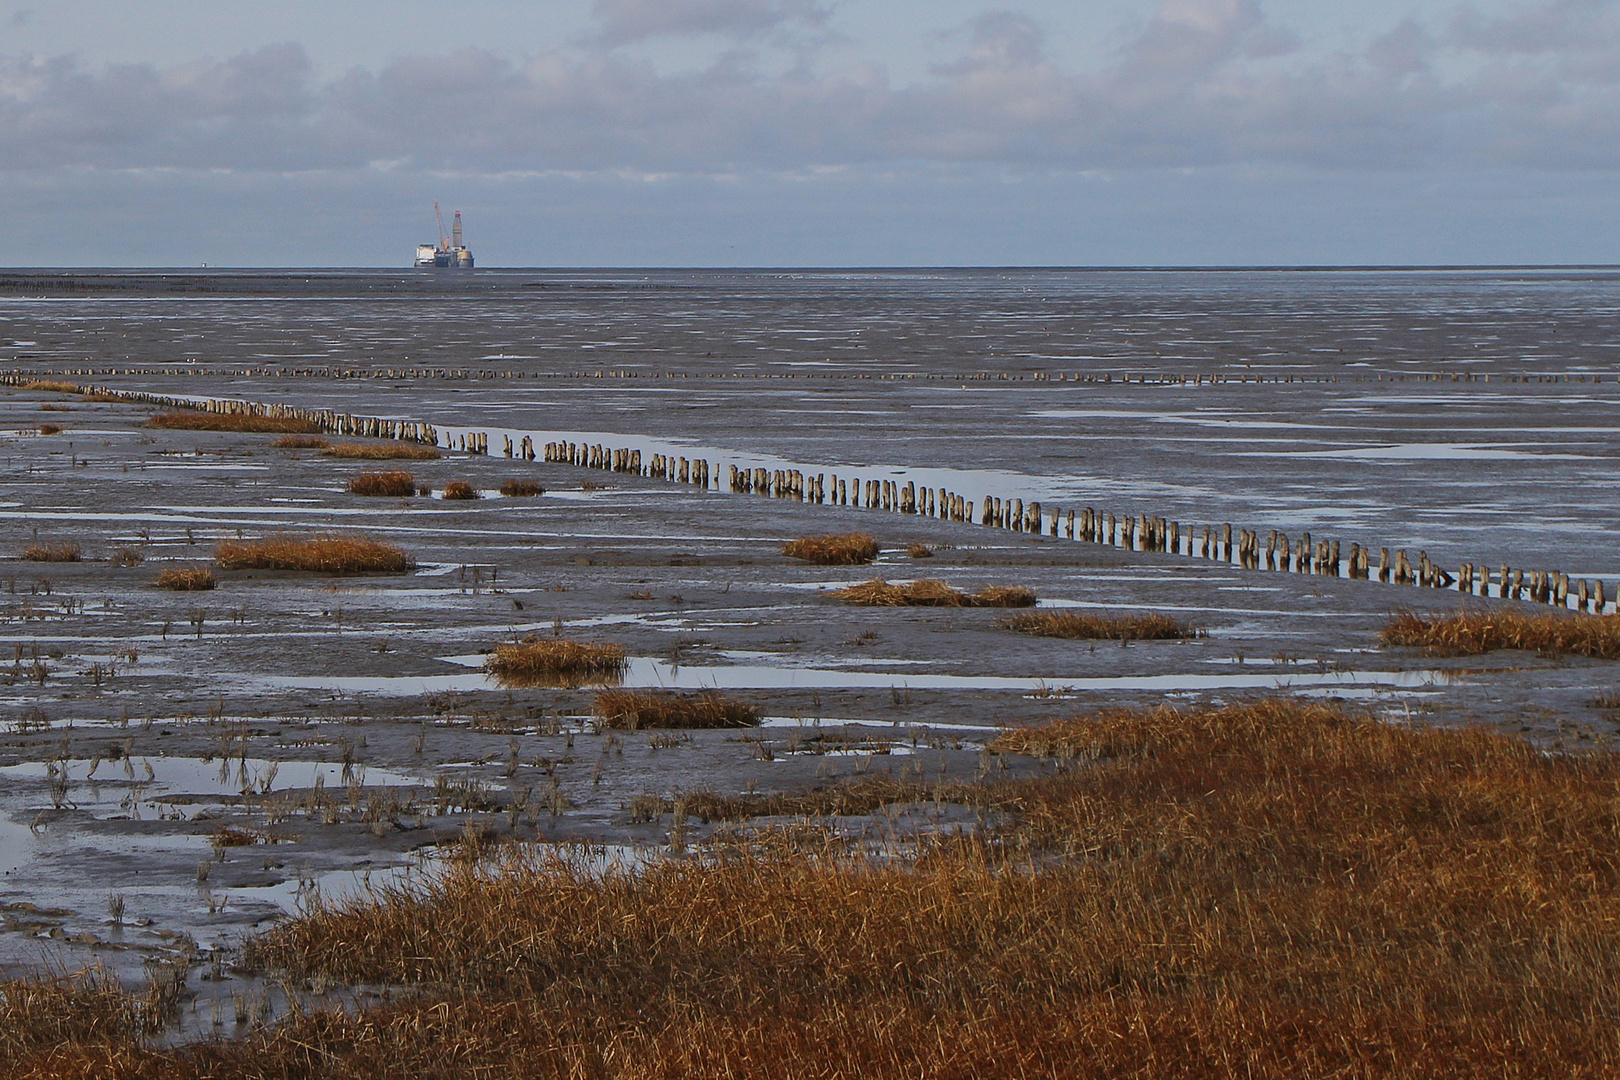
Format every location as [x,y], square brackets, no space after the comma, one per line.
[449,252]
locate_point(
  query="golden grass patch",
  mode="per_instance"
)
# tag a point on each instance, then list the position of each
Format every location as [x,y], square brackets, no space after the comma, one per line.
[396,484]
[514,489]
[1469,633]
[302,442]
[460,489]
[842,549]
[66,552]
[324,554]
[632,710]
[382,451]
[186,579]
[920,551]
[545,661]
[1087,626]
[50,429]
[1272,890]
[245,422]
[54,386]
[933,593]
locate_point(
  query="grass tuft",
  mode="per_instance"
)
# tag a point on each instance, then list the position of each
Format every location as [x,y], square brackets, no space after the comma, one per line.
[1469,633]
[50,429]
[631,710]
[186,579]
[54,386]
[843,549]
[382,451]
[206,421]
[514,489]
[323,554]
[545,661]
[460,489]
[1093,627]
[920,551]
[68,552]
[933,593]
[302,442]
[394,484]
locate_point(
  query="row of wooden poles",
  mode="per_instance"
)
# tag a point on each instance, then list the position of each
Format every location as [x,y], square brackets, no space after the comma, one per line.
[1276,551]
[1244,547]
[1220,378]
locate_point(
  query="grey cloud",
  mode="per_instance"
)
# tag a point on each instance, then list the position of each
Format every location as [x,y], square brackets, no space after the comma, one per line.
[1204,83]
[626,21]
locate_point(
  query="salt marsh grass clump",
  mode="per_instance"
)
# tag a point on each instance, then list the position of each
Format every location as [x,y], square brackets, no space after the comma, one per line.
[322,554]
[460,489]
[933,593]
[186,579]
[1468,633]
[53,386]
[842,549]
[50,429]
[548,661]
[632,710]
[1096,627]
[302,442]
[514,489]
[245,422]
[395,484]
[919,551]
[382,451]
[66,552]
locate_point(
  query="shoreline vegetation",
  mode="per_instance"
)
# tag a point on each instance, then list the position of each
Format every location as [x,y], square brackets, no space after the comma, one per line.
[1272,889]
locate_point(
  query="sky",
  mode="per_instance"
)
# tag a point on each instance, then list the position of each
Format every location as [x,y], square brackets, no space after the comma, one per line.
[811,132]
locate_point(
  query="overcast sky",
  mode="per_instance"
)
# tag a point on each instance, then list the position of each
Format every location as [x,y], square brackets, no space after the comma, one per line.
[812,132]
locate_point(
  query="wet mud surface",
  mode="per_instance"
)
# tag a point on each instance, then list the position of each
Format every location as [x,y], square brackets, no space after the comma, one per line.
[178,768]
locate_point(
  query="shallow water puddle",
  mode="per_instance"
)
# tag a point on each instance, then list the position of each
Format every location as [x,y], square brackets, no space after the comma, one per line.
[134,782]
[644,672]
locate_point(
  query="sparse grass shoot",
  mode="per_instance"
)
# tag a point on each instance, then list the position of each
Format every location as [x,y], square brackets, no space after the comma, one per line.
[632,710]
[186,579]
[514,489]
[302,442]
[933,593]
[68,552]
[1097,627]
[1468,633]
[843,549]
[394,484]
[323,554]
[460,489]
[383,451]
[207,421]
[547,661]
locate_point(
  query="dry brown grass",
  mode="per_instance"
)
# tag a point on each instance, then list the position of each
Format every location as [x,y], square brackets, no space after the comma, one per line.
[206,421]
[1469,633]
[843,549]
[66,552]
[186,579]
[323,554]
[50,429]
[460,489]
[1271,891]
[514,489]
[395,484]
[536,661]
[632,710]
[382,451]
[54,386]
[302,442]
[933,593]
[920,551]
[1087,626]
[88,1007]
